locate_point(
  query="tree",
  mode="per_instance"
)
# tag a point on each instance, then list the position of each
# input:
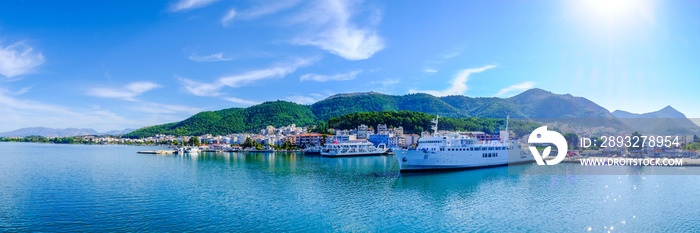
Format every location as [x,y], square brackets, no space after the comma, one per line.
[595,142]
[571,140]
[250,143]
[194,141]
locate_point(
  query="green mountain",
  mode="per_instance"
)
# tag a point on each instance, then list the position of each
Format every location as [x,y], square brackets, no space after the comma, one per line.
[343,104]
[234,120]
[538,103]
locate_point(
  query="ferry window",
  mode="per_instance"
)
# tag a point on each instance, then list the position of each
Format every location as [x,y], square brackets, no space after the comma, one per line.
[498,148]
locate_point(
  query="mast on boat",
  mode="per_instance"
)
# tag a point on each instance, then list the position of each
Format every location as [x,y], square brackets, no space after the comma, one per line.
[435,125]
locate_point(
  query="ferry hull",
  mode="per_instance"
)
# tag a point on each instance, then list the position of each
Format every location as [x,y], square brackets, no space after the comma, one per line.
[354,154]
[417,161]
[429,168]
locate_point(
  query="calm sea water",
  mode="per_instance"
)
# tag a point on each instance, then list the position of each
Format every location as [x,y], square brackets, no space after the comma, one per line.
[48,187]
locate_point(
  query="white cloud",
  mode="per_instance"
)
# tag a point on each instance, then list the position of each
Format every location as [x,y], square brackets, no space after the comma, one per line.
[127,93]
[271,7]
[19,59]
[228,17]
[209,58]
[459,83]
[300,99]
[241,101]
[516,87]
[248,78]
[190,4]
[430,71]
[337,34]
[336,77]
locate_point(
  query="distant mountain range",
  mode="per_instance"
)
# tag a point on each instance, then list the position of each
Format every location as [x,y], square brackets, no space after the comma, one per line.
[667,121]
[563,110]
[68,132]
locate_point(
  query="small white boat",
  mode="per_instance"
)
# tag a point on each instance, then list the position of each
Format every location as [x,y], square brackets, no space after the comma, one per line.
[192,150]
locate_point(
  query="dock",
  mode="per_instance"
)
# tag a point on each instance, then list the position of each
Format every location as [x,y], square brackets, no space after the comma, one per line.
[157,152]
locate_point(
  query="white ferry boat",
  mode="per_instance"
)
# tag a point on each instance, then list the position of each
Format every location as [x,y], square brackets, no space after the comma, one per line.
[353,148]
[459,152]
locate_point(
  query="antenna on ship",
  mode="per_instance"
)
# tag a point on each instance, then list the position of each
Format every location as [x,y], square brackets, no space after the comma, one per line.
[507,134]
[435,127]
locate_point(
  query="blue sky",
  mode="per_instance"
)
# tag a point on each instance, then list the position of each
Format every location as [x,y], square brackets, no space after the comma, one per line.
[127,64]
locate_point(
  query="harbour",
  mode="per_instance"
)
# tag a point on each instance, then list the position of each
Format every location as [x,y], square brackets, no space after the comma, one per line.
[113,187]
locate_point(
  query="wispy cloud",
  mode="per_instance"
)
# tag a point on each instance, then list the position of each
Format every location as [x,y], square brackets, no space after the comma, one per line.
[459,83]
[516,87]
[241,101]
[209,58]
[18,113]
[248,78]
[452,54]
[228,17]
[336,77]
[129,92]
[190,4]
[430,71]
[271,7]
[19,59]
[337,34]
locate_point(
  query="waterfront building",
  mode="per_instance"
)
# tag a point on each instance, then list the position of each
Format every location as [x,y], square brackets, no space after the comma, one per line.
[363,132]
[397,141]
[310,139]
[382,129]
[424,134]
[398,131]
[411,139]
[377,139]
[292,139]
[342,132]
